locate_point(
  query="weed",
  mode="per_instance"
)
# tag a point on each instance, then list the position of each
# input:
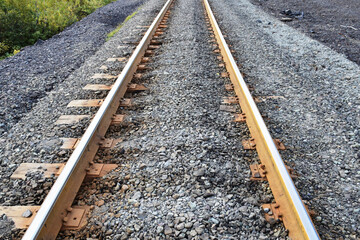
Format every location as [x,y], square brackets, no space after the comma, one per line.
[117,29]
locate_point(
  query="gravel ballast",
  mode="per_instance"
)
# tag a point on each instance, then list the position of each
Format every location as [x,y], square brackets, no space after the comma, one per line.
[315,113]
[28,76]
[183,173]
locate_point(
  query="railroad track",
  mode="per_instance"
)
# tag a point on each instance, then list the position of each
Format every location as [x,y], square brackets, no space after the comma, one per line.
[57,211]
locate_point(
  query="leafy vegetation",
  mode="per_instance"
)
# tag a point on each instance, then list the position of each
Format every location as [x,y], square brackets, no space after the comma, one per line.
[112,33]
[23,22]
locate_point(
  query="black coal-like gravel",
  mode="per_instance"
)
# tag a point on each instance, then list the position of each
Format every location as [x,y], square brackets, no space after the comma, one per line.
[36,70]
[336,23]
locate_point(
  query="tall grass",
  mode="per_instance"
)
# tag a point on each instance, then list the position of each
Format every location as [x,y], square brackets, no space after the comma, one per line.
[23,22]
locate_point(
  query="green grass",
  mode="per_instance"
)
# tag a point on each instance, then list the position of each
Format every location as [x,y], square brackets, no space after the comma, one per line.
[6,55]
[23,22]
[117,29]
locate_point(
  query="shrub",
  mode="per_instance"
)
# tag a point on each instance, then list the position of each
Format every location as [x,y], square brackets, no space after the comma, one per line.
[23,22]
[3,48]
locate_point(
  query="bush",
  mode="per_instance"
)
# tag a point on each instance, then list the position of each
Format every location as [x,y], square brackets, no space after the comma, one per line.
[23,22]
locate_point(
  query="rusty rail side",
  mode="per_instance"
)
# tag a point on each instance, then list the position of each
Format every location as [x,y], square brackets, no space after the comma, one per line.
[295,216]
[48,221]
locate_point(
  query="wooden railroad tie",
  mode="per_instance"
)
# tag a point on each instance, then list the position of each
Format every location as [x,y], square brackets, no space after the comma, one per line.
[240,117]
[155,42]
[142,67]
[48,170]
[98,87]
[138,75]
[125,102]
[75,217]
[70,119]
[159,33]
[86,103]
[229,87]
[118,59]
[273,213]
[117,119]
[250,144]
[265,98]
[104,76]
[139,26]
[153,47]
[258,172]
[230,100]
[149,53]
[225,74]
[71,143]
[228,108]
[103,87]
[145,59]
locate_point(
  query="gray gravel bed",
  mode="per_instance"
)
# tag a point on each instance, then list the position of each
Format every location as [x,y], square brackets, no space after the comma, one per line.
[183,174]
[318,116]
[36,70]
[35,137]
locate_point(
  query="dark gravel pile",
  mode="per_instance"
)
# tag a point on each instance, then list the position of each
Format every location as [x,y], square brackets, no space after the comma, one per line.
[311,102]
[36,70]
[336,23]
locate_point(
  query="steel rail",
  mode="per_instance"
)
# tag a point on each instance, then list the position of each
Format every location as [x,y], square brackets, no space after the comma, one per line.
[49,218]
[296,218]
